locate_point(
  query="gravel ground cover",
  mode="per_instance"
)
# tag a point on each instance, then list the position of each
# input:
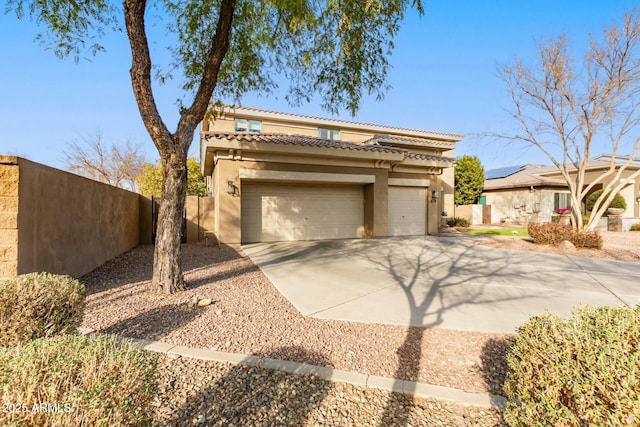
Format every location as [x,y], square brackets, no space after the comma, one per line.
[196,392]
[617,246]
[248,315]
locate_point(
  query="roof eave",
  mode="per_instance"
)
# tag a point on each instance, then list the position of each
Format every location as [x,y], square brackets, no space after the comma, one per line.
[298,118]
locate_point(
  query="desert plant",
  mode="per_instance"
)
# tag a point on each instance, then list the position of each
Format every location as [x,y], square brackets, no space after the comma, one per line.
[92,381]
[635,227]
[578,371]
[586,239]
[458,221]
[617,202]
[39,305]
[552,233]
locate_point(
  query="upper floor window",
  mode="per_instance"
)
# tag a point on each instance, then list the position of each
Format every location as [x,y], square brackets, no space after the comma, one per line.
[244,125]
[333,134]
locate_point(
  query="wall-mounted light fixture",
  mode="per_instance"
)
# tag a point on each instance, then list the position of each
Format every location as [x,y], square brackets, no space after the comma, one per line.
[231,189]
[638,200]
[434,196]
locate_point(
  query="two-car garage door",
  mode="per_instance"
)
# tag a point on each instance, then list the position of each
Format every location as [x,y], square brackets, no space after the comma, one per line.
[276,212]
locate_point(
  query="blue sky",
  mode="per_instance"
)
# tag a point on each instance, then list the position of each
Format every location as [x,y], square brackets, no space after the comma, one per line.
[444,78]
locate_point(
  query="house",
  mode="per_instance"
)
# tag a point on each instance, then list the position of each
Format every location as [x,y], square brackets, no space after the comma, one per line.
[278,176]
[532,193]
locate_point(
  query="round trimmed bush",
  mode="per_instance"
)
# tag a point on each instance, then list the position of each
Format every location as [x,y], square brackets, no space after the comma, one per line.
[458,221]
[579,371]
[617,202]
[37,305]
[82,381]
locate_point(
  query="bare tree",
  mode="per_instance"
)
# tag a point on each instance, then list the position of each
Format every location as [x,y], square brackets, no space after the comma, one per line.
[117,165]
[567,112]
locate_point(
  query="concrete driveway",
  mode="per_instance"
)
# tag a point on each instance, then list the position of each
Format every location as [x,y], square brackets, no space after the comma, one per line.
[444,282]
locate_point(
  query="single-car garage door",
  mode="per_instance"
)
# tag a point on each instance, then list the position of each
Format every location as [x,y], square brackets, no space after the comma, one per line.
[277,212]
[407,211]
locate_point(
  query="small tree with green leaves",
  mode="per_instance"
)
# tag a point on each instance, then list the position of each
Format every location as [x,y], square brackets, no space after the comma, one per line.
[224,49]
[150,180]
[469,175]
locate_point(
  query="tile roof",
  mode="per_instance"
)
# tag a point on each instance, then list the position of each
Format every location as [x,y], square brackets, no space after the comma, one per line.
[240,110]
[413,155]
[311,141]
[426,142]
[531,175]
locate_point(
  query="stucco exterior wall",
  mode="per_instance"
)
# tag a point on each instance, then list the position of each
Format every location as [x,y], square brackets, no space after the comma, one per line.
[630,191]
[227,124]
[227,207]
[521,206]
[200,220]
[245,159]
[67,224]
[472,213]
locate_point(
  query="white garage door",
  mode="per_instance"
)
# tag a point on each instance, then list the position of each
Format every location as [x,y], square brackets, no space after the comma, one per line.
[407,211]
[277,212]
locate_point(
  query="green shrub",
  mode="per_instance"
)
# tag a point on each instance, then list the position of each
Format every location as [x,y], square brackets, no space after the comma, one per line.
[95,381]
[580,371]
[552,233]
[39,305]
[617,202]
[635,227]
[457,221]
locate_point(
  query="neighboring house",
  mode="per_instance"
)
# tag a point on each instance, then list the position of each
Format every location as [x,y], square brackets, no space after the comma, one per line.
[532,193]
[278,176]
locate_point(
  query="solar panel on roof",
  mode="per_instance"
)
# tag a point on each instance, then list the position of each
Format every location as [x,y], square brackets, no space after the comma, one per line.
[503,172]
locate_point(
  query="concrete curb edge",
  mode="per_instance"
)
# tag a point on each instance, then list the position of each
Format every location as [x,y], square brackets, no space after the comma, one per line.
[411,388]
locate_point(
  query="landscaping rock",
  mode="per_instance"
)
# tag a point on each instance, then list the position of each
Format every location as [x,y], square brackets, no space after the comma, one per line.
[204,302]
[567,246]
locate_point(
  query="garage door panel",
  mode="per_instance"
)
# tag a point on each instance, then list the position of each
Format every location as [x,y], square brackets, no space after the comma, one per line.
[277,212]
[407,211]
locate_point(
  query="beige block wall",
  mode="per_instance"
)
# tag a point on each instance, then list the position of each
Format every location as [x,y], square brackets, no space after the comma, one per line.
[9,181]
[68,224]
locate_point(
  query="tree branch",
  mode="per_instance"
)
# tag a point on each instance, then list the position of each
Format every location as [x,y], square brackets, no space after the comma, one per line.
[141,76]
[190,117]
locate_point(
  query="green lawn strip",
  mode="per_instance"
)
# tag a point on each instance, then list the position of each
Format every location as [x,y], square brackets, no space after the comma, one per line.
[519,232]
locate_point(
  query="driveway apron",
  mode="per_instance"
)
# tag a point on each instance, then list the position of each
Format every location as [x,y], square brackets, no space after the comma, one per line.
[438,282]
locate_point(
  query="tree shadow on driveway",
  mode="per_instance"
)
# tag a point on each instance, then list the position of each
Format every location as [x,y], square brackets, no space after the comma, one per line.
[445,267]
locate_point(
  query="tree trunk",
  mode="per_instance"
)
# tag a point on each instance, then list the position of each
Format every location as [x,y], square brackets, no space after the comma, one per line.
[167,272]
